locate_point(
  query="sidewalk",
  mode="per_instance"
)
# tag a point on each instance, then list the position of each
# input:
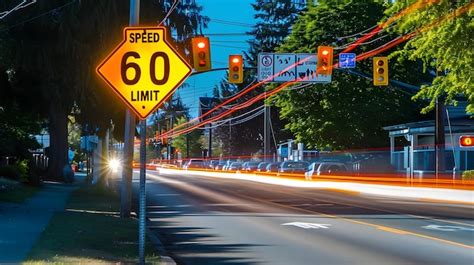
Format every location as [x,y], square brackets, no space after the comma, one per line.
[22,224]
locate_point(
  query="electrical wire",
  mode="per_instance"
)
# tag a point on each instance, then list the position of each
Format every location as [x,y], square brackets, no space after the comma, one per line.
[38,16]
[23,4]
[172,8]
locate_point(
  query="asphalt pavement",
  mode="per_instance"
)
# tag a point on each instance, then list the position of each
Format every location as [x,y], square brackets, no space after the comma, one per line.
[207,220]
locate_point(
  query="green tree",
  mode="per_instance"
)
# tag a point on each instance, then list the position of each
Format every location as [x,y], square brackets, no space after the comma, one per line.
[349,112]
[445,49]
[191,140]
[54,57]
[271,28]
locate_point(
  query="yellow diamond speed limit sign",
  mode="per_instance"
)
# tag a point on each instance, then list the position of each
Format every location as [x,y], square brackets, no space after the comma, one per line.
[145,69]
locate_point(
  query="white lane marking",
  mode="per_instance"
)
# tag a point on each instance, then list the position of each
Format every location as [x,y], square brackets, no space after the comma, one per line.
[307,225]
[447,228]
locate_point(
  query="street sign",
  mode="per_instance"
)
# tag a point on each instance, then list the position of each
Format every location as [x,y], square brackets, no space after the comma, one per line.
[265,67]
[286,67]
[347,60]
[145,69]
[306,69]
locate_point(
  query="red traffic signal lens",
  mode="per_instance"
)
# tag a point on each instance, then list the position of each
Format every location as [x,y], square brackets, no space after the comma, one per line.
[201,45]
[235,60]
[466,141]
[325,52]
[380,62]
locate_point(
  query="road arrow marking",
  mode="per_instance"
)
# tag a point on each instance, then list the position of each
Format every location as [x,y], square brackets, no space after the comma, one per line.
[307,225]
[447,228]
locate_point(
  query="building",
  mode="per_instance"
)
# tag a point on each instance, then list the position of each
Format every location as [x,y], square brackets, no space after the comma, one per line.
[413,144]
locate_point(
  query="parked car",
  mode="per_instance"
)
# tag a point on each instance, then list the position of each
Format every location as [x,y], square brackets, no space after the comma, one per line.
[273,167]
[294,167]
[194,164]
[331,168]
[227,164]
[212,164]
[235,166]
[262,166]
[250,166]
[220,165]
[313,167]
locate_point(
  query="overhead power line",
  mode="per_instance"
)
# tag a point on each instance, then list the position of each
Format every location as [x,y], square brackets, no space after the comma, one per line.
[22,4]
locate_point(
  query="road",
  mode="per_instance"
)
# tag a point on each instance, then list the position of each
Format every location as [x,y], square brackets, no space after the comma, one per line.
[205,220]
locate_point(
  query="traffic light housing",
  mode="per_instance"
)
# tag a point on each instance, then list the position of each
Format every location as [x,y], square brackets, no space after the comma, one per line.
[466,141]
[201,54]
[325,56]
[380,71]
[236,69]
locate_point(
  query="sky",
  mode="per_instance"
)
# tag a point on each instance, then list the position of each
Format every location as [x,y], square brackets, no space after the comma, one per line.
[221,46]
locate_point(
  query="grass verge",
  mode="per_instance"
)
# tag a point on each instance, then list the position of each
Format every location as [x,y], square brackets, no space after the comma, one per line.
[90,231]
[14,191]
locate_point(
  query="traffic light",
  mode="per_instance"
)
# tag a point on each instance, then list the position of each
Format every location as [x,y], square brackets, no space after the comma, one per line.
[324,66]
[201,54]
[466,141]
[236,69]
[380,71]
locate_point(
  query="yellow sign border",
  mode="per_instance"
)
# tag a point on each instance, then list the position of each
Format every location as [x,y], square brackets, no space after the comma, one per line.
[165,39]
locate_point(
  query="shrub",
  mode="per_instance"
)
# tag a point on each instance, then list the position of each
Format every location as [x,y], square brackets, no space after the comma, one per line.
[18,171]
[10,172]
[468,175]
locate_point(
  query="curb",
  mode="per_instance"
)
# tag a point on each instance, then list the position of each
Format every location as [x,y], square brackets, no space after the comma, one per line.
[164,258]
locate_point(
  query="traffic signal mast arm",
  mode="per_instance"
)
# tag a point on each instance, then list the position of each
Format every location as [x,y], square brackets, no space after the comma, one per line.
[363,56]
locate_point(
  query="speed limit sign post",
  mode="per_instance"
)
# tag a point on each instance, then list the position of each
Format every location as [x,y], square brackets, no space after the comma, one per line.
[145,69]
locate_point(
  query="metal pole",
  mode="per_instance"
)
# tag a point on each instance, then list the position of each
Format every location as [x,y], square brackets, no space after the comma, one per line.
[209,153]
[126,187]
[266,134]
[142,194]
[440,136]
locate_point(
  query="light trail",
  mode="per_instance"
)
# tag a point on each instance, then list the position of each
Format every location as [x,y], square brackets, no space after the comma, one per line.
[252,87]
[173,133]
[423,193]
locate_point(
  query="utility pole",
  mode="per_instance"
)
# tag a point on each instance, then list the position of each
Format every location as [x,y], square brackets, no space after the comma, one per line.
[170,139]
[440,138]
[127,173]
[266,132]
[187,145]
[209,152]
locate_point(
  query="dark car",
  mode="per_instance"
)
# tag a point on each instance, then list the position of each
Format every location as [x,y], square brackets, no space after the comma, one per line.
[331,168]
[235,166]
[273,167]
[212,164]
[220,165]
[250,166]
[295,167]
[262,166]
[195,164]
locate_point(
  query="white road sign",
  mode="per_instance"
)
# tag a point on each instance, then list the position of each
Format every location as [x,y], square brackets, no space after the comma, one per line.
[265,67]
[285,67]
[306,68]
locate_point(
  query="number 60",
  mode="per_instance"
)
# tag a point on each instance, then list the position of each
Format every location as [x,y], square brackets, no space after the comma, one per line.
[125,66]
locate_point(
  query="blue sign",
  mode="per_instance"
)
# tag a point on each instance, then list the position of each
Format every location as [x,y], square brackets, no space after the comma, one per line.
[347,60]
